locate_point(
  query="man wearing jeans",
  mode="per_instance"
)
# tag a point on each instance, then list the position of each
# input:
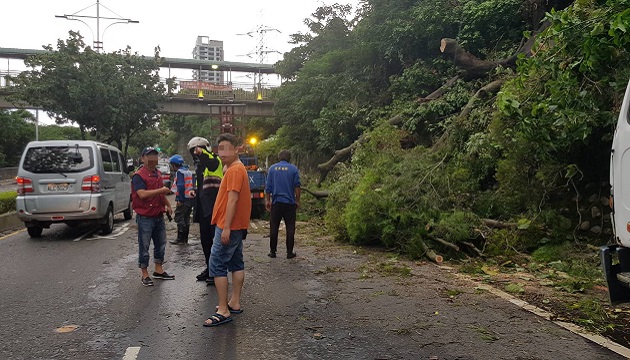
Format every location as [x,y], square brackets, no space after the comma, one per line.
[149,202]
[282,198]
[231,216]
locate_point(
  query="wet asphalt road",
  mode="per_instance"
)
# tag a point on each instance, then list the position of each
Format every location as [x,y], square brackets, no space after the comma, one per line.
[331,302]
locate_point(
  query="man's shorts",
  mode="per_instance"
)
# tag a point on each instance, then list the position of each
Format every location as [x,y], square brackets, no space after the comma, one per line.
[224,258]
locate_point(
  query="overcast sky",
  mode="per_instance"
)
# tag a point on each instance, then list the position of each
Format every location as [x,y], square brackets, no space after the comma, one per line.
[173,25]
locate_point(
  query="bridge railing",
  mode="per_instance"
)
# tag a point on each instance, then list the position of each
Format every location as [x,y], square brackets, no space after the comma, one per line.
[215,90]
[4,81]
[191,88]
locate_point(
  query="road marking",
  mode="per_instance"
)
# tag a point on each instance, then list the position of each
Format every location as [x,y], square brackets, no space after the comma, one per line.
[117,232]
[598,339]
[90,232]
[11,234]
[131,353]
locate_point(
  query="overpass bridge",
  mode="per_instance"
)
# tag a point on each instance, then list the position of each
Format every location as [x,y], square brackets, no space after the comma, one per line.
[187,97]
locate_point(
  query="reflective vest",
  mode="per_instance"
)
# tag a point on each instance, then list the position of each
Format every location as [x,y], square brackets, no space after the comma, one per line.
[188,183]
[151,207]
[212,178]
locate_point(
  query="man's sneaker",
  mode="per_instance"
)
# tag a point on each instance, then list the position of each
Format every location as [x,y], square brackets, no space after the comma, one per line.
[291,255]
[203,276]
[271,254]
[163,276]
[147,281]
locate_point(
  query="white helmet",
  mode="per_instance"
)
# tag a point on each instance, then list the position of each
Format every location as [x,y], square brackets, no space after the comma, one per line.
[198,141]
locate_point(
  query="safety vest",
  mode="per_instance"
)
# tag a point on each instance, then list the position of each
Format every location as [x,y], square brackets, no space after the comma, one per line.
[151,207]
[188,183]
[212,178]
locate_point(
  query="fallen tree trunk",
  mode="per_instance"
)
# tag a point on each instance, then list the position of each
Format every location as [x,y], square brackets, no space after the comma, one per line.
[317,194]
[343,154]
[474,68]
[499,224]
[430,253]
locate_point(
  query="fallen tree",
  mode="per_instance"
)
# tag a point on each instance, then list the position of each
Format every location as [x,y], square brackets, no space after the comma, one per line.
[471,67]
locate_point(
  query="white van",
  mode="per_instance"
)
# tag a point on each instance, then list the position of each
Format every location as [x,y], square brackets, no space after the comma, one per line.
[72,181]
[617,271]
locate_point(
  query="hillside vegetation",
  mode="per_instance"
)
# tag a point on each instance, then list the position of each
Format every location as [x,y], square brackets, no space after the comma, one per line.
[466,127]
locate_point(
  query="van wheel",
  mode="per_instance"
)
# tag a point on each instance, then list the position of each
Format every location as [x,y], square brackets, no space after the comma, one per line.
[108,227]
[128,213]
[35,231]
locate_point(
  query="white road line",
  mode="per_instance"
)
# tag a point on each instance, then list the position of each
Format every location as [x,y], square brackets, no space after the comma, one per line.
[131,353]
[86,234]
[600,340]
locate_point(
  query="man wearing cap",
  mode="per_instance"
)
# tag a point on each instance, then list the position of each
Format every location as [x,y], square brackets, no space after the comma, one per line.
[150,203]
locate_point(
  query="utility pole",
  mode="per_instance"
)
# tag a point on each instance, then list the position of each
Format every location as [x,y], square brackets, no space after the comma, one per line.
[260,51]
[98,43]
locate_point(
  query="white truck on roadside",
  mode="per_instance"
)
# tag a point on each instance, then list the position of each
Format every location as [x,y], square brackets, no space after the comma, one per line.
[615,258]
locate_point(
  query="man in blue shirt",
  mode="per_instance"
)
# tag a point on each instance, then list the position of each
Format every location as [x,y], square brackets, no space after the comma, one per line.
[282,198]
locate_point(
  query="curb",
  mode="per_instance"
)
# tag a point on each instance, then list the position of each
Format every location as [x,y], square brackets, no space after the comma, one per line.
[9,221]
[598,339]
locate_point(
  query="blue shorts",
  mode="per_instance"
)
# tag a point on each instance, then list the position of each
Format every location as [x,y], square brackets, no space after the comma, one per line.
[224,258]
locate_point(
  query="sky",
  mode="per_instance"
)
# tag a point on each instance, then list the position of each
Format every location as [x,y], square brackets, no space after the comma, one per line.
[172,25]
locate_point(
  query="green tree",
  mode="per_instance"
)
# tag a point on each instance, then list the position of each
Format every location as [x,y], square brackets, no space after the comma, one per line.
[19,125]
[112,96]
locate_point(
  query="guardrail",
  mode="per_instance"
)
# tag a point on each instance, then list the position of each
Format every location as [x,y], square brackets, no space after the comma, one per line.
[187,88]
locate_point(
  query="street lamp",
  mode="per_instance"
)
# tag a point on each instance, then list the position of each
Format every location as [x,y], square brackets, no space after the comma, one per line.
[98,43]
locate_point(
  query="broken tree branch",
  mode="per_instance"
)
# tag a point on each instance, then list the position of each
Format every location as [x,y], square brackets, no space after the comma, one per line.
[444,242]
[499,224]
[472,247]
[430,253]
[317,194]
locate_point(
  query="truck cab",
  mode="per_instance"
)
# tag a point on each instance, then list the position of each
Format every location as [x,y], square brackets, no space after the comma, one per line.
[257,180]
[615,258]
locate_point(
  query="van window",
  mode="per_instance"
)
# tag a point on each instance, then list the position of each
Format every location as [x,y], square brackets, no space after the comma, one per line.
[56,159]
[117,163]
[108,164]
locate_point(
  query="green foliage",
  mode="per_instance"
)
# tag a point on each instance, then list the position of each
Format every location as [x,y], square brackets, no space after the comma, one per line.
[456,226]
[7,201]
[493,26]
[56,132]
[112,96]
[19,130]
[557,116]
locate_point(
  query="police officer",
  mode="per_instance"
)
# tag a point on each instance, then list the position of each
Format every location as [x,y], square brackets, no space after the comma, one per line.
[184,197]
[209,174]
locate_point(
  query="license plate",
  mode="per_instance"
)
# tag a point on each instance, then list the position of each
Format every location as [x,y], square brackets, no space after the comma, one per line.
[57,187]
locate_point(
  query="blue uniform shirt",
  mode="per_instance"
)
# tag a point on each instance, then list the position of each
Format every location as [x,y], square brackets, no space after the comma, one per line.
[282,179]
[181,187]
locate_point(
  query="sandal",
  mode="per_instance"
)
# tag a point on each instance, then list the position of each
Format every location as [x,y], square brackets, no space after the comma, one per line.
[217,319]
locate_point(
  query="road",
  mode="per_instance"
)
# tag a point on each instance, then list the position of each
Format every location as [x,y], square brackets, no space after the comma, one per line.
[73,294]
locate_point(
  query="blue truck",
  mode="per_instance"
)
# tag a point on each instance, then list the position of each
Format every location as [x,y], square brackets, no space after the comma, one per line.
[257,180]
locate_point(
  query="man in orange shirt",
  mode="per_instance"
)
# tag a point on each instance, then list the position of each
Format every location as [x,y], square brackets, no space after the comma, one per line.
[231,217]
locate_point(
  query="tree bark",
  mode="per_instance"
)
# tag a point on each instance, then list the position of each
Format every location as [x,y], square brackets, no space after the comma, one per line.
[317,194]
[474,68]
[490,88]
[499,224]
[430,254]
[343,154]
